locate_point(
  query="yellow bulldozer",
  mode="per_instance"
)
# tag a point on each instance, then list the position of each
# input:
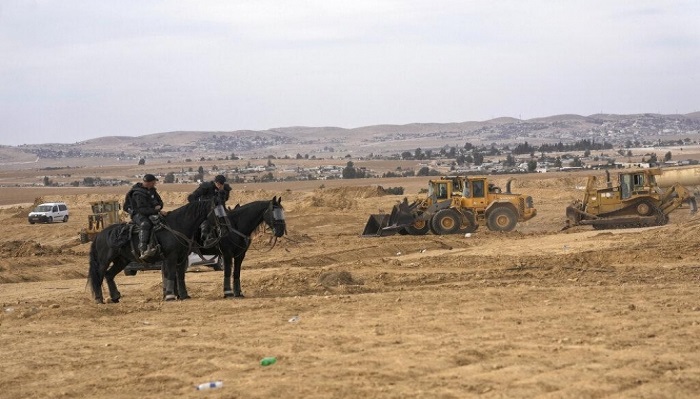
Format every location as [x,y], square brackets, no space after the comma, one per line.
[455,204]
[104,213]
[637,200]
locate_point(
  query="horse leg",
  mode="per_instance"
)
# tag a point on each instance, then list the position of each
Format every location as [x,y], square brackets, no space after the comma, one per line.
[238,261]
[169,277]
[163,283]
[99,262]
[228,292]
[117,267]
[180,287]
[96,285]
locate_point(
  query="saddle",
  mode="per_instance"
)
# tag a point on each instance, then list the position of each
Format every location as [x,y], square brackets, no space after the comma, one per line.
[120,237]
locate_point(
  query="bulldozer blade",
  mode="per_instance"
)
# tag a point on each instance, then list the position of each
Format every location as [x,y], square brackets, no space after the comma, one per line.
[693,205]
[377,226]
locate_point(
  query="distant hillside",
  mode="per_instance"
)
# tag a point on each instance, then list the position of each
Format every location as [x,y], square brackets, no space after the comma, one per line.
[378,139]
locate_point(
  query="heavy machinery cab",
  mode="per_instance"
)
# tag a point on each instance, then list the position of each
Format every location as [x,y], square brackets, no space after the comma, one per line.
[441,190]
[104,213]
[637,183]
[474,195]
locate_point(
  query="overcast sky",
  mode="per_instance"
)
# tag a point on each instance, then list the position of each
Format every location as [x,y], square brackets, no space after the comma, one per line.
[74,70]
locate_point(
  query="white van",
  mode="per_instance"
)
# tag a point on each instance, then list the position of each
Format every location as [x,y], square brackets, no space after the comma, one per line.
[49,212]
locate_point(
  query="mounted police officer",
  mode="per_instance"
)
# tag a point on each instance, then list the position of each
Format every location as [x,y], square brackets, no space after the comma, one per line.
[145,205]
[217,189]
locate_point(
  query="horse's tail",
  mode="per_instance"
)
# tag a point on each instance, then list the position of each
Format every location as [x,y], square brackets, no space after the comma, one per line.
[95,273]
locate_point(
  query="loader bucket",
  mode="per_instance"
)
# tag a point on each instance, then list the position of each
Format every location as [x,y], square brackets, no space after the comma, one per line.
[376,224]
[402,214]
[384,225]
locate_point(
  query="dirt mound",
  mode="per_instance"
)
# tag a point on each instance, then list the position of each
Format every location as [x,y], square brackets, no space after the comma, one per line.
[246,196]
[18,249]
[340,198]
[323,200]
[336,279]
[357,192]
[17,212]
[566,183]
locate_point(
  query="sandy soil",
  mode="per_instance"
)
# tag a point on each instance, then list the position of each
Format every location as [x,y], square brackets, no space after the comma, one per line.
[533,313]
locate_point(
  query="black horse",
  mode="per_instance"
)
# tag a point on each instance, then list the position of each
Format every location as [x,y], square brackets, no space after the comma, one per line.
[181,223]
[233,245]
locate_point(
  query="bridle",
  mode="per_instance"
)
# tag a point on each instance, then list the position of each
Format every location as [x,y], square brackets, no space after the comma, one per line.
[274,220]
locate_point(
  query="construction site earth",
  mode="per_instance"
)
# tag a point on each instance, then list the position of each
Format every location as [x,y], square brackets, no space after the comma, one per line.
[535,311]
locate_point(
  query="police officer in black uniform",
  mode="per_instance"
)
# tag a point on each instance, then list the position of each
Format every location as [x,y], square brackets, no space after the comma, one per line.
[146,203]
[206,191]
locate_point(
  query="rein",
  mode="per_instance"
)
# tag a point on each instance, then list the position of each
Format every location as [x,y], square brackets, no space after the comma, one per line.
[273,240]
[192,243]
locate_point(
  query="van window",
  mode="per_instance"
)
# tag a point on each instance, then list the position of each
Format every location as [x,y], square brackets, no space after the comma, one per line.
[55,209]
[62,208]
[43,208]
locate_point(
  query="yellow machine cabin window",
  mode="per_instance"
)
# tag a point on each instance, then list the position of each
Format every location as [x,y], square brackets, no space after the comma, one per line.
[478,187]
[442,191]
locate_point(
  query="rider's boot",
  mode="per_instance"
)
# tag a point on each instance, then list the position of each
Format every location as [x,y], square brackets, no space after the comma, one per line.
[146,249]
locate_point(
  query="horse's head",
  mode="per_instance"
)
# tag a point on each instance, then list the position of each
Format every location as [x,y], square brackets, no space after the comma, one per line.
[274,217]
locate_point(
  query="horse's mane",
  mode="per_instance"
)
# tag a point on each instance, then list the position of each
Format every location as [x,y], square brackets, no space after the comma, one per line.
[189,210]
[238,209]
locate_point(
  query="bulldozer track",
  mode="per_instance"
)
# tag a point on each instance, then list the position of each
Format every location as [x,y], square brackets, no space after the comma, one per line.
[659,219]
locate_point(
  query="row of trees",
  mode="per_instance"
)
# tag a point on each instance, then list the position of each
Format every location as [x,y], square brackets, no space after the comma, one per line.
[477,153]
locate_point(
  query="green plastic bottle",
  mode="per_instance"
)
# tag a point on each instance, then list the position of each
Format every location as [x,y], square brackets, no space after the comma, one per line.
[266,361]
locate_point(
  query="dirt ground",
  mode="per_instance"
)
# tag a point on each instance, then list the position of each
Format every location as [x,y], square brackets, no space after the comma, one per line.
[537,312]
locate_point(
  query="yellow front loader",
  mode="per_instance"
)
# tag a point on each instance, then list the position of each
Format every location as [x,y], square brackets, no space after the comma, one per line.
[455,204]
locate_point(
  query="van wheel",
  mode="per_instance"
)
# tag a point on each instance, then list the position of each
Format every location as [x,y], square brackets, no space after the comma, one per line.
[65,218]
[31,222]
[49,220]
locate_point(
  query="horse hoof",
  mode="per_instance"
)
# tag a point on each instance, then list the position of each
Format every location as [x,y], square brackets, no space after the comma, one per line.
[99,301]
[185,297]
[115,300]
[170,297]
